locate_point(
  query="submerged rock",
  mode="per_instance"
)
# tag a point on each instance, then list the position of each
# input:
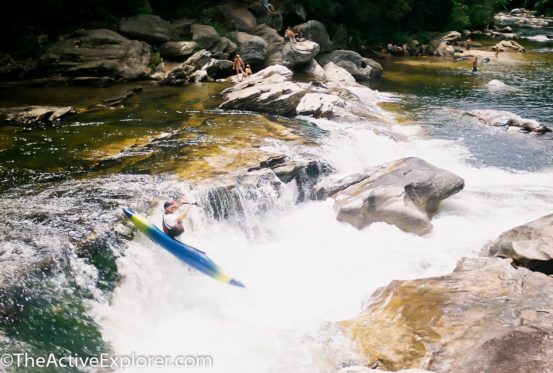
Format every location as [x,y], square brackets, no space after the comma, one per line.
[405,193]
[498,86]
[529,245]
[507,119]
[34,114]
[486,316]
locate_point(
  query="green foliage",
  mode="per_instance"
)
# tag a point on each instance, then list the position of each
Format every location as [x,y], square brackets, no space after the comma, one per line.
[155,59]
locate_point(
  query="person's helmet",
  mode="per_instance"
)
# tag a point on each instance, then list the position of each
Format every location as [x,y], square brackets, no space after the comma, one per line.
[168,204]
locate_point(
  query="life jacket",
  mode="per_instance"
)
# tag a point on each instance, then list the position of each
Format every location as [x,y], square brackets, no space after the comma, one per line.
[172,232]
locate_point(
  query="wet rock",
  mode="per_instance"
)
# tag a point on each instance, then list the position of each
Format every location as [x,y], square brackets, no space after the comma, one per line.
[299,53]
[486,316]
[338,75]
[116,101]
[204,35]
[149,28]
[507,119]
[498,86]
[340,105]
[509,46]
[181,74]
[177,50]
[97,53]
[360,67]
[529,245]
[34,114]
[251,48]
[316,31]
[405,193]
[269,91]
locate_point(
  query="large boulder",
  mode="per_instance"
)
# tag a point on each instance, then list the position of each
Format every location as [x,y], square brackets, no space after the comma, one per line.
[204,35]
[237,16]
[405,193]
[486,316]
[299,53]
[274,20]
[360,67]
[223,49]
[451,37]
[251,48]
[149,28]
[316,31]
[97,53]
[177,50]
[338,75]
[314,71]
[275,44]
[508,120]
[268,91]
[34,114]
[529,245]
[509,46]
[183,72]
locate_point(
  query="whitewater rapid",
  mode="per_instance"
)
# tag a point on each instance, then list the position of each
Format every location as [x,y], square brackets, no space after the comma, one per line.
[304,270]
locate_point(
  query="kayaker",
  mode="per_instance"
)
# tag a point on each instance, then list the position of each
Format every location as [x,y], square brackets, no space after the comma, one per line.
[172,222]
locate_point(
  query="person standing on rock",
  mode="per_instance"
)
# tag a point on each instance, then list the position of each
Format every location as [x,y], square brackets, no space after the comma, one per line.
[268,6]
[469,43]
[238,66]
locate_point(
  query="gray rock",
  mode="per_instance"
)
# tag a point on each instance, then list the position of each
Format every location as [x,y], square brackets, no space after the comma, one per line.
[316,31]
[361,68]
[237,16]
[182,73]
[34,114]
[198,76]
[223,49]
[405,193]
[507,119]
[97,53]
[251,48]
[529,245]
[451,37]
[275,44]
[340,37]
[149,28]
[182,25]
[486,316]
[299,53]
[338,75]
[360,369]
[314,70]
[177,50]
[273,20]
[268,91]
[204,35]
[217,69]
[509,46]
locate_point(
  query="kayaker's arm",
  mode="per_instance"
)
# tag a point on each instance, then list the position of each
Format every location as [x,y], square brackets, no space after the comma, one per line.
[183,215]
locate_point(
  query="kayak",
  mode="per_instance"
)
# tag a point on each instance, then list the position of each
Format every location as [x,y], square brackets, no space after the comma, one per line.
[193,257]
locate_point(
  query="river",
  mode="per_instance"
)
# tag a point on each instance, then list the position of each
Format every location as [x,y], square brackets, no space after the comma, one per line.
[74,281]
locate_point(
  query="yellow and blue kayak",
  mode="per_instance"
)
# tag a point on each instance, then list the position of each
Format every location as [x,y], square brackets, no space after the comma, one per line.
[191,256]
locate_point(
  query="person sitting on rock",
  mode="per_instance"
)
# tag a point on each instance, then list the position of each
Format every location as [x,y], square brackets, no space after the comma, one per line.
[238,66]
[289,35]
[248,71]
[299,35]
[268,6]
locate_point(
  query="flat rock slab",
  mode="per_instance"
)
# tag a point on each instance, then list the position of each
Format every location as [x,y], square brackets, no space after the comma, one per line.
[405,193]
[34,114]
[507,119]
[486,316]
[529,245]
